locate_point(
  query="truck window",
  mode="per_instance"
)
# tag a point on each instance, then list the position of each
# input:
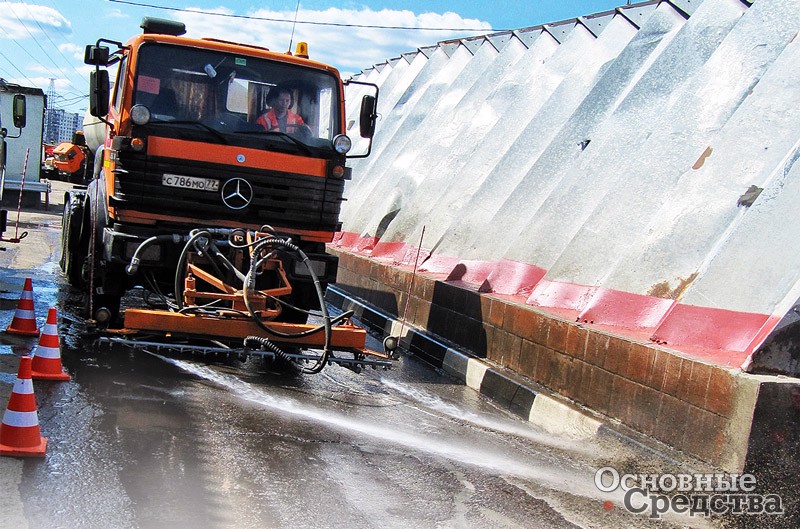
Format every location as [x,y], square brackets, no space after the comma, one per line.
[121,71]
[234,93]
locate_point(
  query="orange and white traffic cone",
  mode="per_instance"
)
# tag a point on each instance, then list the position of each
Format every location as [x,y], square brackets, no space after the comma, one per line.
[24,321]
[19,431]
[46,364]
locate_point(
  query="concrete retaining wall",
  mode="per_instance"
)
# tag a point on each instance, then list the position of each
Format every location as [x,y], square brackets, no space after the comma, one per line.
[703,410]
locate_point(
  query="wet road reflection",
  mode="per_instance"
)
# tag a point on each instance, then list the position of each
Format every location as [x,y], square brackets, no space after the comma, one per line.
[144,441]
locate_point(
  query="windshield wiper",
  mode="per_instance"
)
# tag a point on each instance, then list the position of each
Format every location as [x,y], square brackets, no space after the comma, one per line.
[278,134]
[212,130]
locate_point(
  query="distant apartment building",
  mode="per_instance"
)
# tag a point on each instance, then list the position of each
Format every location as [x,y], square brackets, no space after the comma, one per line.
[60,125]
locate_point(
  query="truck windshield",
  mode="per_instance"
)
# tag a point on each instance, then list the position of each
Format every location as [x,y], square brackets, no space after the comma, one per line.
[237,94]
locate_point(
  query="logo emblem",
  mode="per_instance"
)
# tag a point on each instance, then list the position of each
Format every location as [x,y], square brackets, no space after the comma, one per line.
[240,158]
[237,193]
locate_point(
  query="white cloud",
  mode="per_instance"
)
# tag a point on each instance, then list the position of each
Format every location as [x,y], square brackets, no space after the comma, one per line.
[44,83]
[21,20]
[115,13]
[346,47]
[72,49]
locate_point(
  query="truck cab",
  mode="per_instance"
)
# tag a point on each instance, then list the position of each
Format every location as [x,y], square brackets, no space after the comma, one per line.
[195,138]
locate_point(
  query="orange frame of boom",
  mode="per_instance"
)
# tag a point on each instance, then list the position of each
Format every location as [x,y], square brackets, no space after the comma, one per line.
[343,336]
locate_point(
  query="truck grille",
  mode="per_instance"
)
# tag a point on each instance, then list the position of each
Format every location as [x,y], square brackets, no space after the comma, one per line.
[279,199]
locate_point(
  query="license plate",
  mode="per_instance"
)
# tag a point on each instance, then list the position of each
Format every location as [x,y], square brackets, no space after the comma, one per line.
[190,182]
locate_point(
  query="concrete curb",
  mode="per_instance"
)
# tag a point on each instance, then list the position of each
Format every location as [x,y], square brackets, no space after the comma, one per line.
[518,395]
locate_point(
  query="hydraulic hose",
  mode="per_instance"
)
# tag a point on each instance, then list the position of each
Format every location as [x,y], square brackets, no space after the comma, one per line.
[250,287]
[249,280]
[134,264]
[193,236]
[265,343]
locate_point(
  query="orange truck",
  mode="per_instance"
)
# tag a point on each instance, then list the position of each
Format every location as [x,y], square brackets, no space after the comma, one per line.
[72,159]
[210,149]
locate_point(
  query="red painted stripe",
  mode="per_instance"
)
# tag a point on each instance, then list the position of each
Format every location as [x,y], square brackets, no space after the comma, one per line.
[711,328]
[471,272]
[439,264]
[395,251]
[721,336]
[365,244]
[567,298]
[513,278]
[625,309]
[345,239]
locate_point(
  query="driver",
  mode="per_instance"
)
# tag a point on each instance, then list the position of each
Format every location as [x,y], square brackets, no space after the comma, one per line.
[279,117]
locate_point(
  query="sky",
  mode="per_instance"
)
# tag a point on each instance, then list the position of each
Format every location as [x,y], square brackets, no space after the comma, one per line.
[43,40]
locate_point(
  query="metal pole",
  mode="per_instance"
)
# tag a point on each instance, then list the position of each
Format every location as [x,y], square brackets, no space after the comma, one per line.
[21,188]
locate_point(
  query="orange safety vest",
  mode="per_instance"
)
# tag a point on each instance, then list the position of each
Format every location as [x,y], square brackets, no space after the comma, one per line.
[270,121]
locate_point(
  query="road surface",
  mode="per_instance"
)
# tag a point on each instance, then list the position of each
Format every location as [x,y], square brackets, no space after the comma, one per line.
[137,440]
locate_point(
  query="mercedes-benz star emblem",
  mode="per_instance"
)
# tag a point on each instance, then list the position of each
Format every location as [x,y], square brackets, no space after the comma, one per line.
[237,193]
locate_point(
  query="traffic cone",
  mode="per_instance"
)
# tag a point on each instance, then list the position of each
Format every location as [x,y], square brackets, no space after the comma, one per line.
[24,321]
[46,363]
[19,432]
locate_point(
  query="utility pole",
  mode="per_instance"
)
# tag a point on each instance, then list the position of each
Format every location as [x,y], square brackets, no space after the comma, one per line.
[49,122]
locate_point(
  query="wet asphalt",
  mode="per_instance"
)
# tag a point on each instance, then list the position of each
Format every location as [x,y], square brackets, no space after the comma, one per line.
[139,440]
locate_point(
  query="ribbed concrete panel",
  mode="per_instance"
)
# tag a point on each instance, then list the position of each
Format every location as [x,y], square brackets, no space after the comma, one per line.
[689,224]
[483,229]
[418,168]
[402,167]
[407,99]
[701,212]
[486,133]
[601,194]
[606,170]
[595,174]
[401,81]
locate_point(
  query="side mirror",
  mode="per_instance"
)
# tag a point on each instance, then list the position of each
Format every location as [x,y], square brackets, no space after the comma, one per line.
[96,55]
[2,152]
[19,111]
[98,93]
[369,106]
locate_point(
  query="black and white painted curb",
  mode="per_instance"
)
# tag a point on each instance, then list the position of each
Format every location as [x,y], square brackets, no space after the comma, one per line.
[507,389]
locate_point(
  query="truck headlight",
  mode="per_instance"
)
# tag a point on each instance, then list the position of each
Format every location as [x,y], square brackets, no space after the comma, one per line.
[140,114]
[342,144]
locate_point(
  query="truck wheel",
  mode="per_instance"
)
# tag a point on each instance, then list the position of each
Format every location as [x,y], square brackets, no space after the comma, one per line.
[72,253]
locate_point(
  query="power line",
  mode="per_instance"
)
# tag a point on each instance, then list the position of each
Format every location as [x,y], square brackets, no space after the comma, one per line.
[47,35]
[62,73]
[307,22]
[17,69]
[35,42]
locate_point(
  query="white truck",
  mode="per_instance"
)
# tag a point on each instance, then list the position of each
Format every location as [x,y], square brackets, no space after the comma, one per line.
[21,126]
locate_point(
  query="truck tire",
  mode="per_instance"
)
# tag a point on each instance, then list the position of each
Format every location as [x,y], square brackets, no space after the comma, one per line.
[73,253]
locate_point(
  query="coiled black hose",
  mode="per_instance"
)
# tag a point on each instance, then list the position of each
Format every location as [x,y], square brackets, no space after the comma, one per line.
[250,287]
[265,343]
